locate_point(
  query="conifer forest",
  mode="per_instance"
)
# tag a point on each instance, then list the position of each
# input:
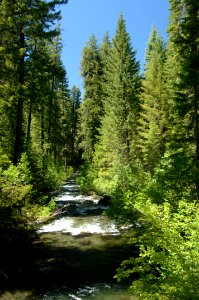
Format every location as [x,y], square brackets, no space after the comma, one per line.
[132,136]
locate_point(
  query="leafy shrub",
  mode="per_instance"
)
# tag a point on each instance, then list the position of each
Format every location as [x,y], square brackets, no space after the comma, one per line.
[173,178]
[16,183]
[168,264]
[85,179]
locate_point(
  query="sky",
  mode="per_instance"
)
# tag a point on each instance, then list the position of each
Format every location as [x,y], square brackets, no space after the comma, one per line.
[82,18]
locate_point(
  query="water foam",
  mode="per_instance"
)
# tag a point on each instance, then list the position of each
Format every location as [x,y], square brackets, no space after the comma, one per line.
[78,225]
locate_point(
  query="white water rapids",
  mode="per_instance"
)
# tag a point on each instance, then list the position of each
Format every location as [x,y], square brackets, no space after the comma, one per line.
[80,225]
[85,220]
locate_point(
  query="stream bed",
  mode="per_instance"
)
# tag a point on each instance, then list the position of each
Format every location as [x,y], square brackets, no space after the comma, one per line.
[76,256]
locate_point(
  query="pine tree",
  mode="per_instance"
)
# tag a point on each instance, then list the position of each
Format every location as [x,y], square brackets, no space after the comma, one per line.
[75,97]
[183,87]
[91,108]
[119,124]
[105,50]
[153,119]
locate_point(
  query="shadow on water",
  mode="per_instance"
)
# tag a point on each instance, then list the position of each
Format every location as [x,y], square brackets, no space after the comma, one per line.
[75,270]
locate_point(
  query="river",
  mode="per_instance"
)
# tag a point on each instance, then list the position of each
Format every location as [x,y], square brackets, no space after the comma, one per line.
[77,254]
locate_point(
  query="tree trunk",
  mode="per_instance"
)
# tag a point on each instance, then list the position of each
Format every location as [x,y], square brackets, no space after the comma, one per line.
[194,75]
[196,99]
[42,129]
[29,125]
[18,147]
[50,109]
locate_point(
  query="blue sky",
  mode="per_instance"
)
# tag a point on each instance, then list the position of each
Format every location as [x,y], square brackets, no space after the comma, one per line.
[82,18]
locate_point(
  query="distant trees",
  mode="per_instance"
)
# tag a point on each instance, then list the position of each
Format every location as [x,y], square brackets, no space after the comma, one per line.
[75,101]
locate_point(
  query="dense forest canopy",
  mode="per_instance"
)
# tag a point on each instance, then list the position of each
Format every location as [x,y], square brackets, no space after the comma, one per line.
[134,137]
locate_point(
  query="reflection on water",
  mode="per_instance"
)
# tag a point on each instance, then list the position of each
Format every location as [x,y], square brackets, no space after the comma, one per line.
[101,292]
[83,242]
[95,292]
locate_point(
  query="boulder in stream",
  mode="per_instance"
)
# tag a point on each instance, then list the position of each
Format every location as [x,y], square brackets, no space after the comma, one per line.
[64,210]
[105,201]
[88,203]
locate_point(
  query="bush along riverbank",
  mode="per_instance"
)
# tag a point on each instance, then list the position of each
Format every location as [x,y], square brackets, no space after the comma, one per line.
[26,198]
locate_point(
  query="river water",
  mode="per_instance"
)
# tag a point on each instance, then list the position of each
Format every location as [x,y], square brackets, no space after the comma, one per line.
[77,254]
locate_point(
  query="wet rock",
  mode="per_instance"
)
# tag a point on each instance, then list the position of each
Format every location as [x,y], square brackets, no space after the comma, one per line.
[105,201]
[88,203]
[70,208]
[94,211]
[54,193]
[3,276]
[61,204]
[64,210]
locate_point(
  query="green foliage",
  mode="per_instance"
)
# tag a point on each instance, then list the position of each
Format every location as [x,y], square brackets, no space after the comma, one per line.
[20,174]
[55,174]
[171,180]
[24,195]
[85,179]
[15,194]
[16,183]
[167,267]
[4,160]
[39,212]
[174,177]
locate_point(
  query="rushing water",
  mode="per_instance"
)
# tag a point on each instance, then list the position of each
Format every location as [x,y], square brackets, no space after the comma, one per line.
[81,249]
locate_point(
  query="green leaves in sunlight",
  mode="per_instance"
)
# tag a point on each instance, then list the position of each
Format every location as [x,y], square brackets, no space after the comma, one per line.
[16,183]
[167,267]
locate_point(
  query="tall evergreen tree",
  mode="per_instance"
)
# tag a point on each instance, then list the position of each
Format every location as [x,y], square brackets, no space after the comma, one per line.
[153,115]
[91,108]
[183,90]
[105,50]
[69,126]
[75,97]
[119,124]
